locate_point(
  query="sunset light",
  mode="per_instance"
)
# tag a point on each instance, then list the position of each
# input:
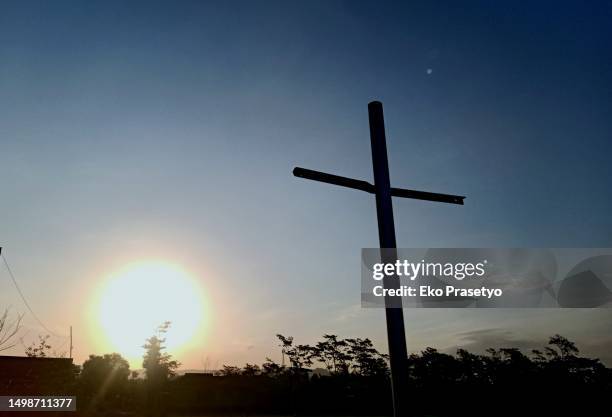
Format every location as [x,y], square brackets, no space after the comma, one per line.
[134,301]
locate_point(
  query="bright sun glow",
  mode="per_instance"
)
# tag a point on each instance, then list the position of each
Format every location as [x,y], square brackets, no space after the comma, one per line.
[137,299]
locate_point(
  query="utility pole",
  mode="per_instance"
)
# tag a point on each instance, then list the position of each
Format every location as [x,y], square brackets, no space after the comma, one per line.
[70,342]
[396,334]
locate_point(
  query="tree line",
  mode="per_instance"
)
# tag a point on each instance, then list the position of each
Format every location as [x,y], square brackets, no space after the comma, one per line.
[336,356]
[341,377]
[359,357]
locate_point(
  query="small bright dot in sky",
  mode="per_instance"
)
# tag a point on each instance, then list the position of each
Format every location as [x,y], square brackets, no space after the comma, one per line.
[429,71]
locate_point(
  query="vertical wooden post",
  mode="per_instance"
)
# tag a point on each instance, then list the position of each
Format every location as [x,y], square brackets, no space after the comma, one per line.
[396,334]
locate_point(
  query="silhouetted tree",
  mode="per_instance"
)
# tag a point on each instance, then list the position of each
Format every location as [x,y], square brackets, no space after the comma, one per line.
[104,377]
[41,349]
[271,368]
[472,368]
[538,356]
[300,356]
[433,368]
[159,365]
[8,330]
[366,360]
[229,371]
[561,348]
[333,353]
[251,370]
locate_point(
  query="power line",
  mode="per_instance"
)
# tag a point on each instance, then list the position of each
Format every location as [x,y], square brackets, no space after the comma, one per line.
[8,268]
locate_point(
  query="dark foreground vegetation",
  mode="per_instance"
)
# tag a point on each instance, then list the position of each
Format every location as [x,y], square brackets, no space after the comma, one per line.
[335,377]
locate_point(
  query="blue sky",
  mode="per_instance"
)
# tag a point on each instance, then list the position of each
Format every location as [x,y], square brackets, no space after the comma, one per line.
[168,130]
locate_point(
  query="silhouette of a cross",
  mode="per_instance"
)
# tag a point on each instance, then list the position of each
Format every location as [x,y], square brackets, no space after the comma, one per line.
[396,335]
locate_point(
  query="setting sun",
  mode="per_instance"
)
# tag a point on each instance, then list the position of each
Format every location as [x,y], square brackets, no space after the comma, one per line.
[134,301]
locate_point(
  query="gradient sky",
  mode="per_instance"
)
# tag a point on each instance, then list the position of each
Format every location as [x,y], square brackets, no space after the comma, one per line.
[168,131]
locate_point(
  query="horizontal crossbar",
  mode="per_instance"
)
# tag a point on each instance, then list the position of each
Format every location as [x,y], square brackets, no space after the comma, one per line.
[424,195]
[310,174]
